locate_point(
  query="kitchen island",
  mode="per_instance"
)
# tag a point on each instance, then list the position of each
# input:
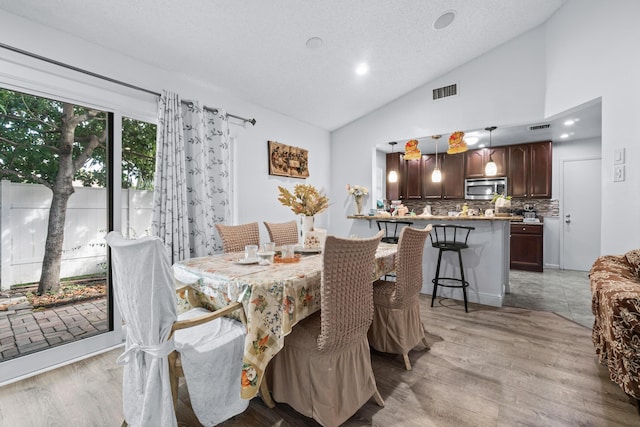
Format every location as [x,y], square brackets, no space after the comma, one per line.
[486,261]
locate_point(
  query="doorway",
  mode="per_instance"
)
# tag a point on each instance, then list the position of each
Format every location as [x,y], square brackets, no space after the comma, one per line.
[580,200]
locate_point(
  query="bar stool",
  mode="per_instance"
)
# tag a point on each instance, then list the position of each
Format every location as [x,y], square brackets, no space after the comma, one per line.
[450,238]
[391,229]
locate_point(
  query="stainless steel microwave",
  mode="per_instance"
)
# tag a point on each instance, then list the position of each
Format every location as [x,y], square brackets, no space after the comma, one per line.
[484,188]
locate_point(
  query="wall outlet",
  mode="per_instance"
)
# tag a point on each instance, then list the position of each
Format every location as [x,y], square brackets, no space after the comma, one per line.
[618,173]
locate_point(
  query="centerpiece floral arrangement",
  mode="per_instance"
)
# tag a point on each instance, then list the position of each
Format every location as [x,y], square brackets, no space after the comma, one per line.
[305,200]
[358,192]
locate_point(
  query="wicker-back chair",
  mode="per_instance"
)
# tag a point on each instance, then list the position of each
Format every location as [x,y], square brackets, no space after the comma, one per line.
[324,370]
[236,237]
[283,233]
[397,327]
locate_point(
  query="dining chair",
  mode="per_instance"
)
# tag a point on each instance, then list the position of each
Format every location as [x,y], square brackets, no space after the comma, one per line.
[397,327]
[283,233]
[236,237]
[202,346]
[324,369]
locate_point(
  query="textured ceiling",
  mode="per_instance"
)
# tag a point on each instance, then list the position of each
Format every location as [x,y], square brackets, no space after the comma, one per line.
[256,48]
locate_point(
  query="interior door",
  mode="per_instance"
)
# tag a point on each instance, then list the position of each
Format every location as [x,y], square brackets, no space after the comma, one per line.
[580,213]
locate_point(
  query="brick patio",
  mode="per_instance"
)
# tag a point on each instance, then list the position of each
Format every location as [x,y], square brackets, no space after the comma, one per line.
[24,331]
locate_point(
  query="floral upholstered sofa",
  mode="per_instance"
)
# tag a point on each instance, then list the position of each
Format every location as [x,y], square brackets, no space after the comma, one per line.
[615,302]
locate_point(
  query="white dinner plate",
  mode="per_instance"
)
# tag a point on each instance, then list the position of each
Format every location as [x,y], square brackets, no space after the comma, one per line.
[246,261]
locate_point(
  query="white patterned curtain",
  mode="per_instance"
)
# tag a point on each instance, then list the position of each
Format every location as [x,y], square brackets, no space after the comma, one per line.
[207,155]
[169,218]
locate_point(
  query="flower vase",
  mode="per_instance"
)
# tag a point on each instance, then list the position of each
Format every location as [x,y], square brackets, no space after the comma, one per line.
[306,223]
[358,205]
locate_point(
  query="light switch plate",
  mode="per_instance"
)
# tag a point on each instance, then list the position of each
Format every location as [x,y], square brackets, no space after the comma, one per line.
[618,173]
[618,156]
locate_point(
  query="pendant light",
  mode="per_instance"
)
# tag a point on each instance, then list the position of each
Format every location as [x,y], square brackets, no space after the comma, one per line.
[393,175]
[436,176]
[490,169]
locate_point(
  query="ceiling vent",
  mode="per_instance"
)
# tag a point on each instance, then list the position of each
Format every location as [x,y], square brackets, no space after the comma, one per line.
[445,91]
[540,127]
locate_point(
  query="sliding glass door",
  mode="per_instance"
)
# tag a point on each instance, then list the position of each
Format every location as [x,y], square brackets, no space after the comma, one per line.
[65,168]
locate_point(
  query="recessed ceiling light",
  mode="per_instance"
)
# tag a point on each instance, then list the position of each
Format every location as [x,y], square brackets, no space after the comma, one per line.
[481,146]
[568,122]
[444,20]
[362,69]
[471,140]
[564,136]
[314,42]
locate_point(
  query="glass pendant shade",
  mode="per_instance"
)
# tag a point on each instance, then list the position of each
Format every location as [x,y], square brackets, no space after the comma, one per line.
[490,169]
[436,176]
[393,175]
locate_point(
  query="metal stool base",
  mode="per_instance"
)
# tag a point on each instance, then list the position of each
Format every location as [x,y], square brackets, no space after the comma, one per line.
[463,283]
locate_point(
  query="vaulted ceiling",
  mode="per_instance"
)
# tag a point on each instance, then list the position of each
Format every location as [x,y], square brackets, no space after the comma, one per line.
[260,50]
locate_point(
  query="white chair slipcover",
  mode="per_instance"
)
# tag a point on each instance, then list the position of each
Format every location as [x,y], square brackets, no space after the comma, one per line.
[211,353]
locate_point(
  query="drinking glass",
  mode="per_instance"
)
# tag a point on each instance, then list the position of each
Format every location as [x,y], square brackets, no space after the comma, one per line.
[269,247]
[288,251]
[250,251]
[265,257]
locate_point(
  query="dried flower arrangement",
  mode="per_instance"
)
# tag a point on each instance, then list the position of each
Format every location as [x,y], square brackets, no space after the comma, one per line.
[305,199]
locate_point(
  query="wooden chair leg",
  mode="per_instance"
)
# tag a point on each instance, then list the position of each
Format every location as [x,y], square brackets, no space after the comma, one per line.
[424,339]
[378,398]
[173,378]
[407,362]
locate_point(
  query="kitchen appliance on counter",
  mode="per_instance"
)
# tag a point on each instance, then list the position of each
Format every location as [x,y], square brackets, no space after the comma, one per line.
[529,213]
[484,188]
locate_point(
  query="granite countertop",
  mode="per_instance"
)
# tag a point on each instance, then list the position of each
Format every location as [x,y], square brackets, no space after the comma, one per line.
[437,218]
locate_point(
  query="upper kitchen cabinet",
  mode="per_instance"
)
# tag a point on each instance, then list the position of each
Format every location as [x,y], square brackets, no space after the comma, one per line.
[452,184]
[452,176]
[395,162]
[529,167]
[475,161]
[430,189]
[413,172]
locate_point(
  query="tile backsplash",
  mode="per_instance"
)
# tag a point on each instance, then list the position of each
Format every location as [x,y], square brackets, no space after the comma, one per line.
[543,207]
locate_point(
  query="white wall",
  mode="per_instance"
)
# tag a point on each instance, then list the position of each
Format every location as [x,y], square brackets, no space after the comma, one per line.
[592,51]
[255,190]
[503,87]
[587,50]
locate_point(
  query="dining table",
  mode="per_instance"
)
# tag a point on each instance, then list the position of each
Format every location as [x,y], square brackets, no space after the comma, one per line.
[275,298]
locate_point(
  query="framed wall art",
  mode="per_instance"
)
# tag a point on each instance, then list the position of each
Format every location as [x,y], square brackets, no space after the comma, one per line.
[285,160]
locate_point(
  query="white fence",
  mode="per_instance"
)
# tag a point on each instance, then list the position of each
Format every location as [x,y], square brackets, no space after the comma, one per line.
[24,212]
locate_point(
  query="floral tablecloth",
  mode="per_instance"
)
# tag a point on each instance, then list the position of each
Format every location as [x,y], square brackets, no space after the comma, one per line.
[274,297]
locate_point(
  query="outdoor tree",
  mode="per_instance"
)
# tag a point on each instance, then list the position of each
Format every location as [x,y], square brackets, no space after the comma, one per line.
[53,143]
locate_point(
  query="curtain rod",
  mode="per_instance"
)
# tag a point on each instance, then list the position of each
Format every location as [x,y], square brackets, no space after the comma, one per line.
[215,111]
[100,76]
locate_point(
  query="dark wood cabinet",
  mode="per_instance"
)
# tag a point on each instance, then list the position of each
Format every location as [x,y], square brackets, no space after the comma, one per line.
[413,177]
[476,160]
[529,167]
[452,176]
[540,181]
[526,247]
[518,182]
[430,189]
[395,162]
[452,184]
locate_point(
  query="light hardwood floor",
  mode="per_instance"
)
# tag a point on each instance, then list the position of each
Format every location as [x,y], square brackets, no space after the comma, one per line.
[489,367]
